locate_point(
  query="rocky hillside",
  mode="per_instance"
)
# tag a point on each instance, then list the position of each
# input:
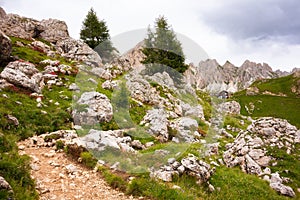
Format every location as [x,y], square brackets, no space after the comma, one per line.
[148,135]
[213,77]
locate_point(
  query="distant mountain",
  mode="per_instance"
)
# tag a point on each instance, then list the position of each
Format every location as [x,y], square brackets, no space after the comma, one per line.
[211,76]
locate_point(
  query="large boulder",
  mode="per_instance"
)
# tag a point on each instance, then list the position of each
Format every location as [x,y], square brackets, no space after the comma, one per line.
[5,47]
[92,108]
[186,129]
[156,120]
[78,50]
[23,74]
[192,111]
[54,30]
[51,30]
[98,140]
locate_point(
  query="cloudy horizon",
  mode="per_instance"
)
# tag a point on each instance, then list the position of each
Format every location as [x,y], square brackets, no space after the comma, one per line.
[265,31]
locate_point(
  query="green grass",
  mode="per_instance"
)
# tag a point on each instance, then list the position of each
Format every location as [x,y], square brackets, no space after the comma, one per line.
[273,106]
[280,85]
[286,107]
[34,56]
[88,159]
[206,102]
[137,111]
[112,179]
[235,184]
[139,133]
[156,190]
[290,162]
[235,121]
[15,169]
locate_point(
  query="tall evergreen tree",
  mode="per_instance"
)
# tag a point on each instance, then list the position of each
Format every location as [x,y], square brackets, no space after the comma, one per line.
[162,48]
[95,33]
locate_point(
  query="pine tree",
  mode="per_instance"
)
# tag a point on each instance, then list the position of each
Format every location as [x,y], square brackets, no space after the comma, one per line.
[162,49]
[95,33]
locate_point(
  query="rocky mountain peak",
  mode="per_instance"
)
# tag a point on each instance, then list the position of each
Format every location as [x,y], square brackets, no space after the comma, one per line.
[228,65]
[209,64]
[209,75]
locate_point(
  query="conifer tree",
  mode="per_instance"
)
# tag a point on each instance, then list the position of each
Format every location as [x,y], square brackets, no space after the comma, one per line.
[162,48]
[95,33]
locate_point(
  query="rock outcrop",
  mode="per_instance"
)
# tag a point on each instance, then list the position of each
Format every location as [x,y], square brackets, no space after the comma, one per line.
[249,148]
[213,77]
[23,74]
[131,59]
[77,50]
[190,165]
[27,28]
[53,30]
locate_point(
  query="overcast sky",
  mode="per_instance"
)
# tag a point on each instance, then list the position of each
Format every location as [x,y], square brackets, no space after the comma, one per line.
[261,31]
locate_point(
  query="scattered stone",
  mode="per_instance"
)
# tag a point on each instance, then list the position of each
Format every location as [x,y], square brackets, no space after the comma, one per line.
[248,149]
[13,119]
[211,188]
[149,144]
[35,167]
[189,165]
[109,85]
[71,169]
[74,87]
[4,185]
[136,144]
[231,107]
[115,166]
[176,187]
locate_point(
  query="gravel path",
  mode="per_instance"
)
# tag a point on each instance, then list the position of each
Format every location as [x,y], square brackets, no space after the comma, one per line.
[58,177]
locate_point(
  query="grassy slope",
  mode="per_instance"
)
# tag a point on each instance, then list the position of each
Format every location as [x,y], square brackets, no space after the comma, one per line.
[286,107]
[233,183]
[13,167]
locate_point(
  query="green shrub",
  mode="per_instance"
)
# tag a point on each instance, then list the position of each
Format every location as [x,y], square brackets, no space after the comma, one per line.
[156,190]
[59,144]
[88,159]
[49,138]
[113,180]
